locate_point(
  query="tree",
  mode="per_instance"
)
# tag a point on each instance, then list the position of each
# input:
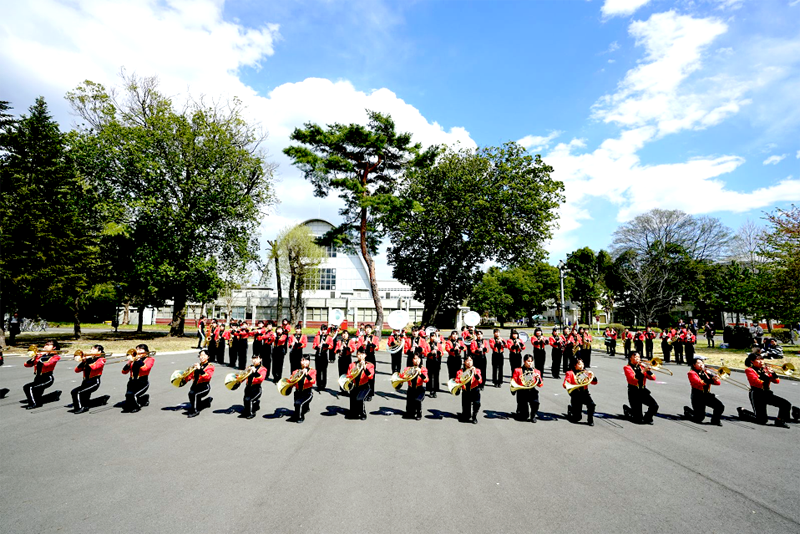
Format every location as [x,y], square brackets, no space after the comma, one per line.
[489,297]
[302,256]
[364,164]
[51,219]
[474,206]
[196,179]
[780,248]
[584,269]
[6,122]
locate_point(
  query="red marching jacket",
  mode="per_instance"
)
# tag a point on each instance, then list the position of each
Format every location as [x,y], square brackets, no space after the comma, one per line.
[417,342]
[517,375]
[760,380]
[436,350]
[453,347]
[303,341]
[630,375]
[519,348]
[366,376]
[268,337]
[143,370]
[204,374]
[479,345]
[421,380]
[91,370]
[371,339]
[318,340]
[569,378]
[476,381]
[538,343]
[307,381]
[46,366]
[698,383]
[258,377]
[556,341]
[351,346]
[497,344]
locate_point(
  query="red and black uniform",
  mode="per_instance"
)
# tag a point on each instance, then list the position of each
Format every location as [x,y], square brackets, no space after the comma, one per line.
[303,392]
[610,338]
[360,390]
[370,344]
[627,339]
[201,386]
[267,338]
[527,399]
[572,343]
[479,348]
[701,382]
[761,396]
[252,391]
[233,345]
[210,342]
[666,346]
[43,365]
[556,342]
[138,383]
[689,343]
[220,338]
[639,395]
[419,346]
[586,353]
[323,346]
[470,396]
[345,348]
[515,347]
[242,345]
[415,393]
[677,345]
[278,355]
[92,369]
[453,347]
[434,365]
[579,397]
[258,342]
[649,336]
[298,342]
[498,345]
[539,354]
[638,342]
[398,345]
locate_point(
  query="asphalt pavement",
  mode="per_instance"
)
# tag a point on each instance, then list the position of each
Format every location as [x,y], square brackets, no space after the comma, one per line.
[158,471]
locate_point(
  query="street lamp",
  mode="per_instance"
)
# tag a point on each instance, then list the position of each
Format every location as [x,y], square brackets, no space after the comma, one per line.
[561,268]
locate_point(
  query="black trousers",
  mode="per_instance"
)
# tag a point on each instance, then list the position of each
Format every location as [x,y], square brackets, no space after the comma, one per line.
[480,363]
[251,401]
[294,359]
[527,403]
[555,369]
[689,354]
[233,352]
[370,357]
[497,368]
[701,400]
[539,356]
[434,366]
[639,347]
[613,347]
[397,359]
[220,351]
[414,397]
[196,395]
[678,348]
[136,388]
[567,360]
[760,399]
[637,397]
[357,396]
[81,395]
[648,348]
[470,403]
[627,347]
[453,365]
[257,346]
[321,363]
[302,403]
[212,349]
[266,355]
[278,354]
[242,353]
[666,348]
[514,360]
[343,364]
[577,400]
[34,390]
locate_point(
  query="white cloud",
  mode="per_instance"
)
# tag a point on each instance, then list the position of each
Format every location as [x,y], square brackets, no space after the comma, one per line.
[535,143]
[774,160]
[798,152]
[621,8]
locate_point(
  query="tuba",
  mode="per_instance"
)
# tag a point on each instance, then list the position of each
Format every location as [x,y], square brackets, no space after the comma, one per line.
[178,377]
[582,379]
[398,379]
[234,380]
[285,385]
[455,385]
[346,380]
[529,381]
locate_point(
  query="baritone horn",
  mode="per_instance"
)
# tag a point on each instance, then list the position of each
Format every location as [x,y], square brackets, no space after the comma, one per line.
[455,385]
[582,379]
[285,385]
[529,381]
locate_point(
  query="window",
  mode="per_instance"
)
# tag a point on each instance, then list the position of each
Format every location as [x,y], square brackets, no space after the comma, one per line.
[330,251]
[322,279]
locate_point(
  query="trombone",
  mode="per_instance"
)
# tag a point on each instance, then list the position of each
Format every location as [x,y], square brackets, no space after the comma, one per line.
[656,364]
[787,369]
[724,374]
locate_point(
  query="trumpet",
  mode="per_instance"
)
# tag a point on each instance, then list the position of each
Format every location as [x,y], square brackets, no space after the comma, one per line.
[455,385]
[398,379]
[655,365]
[347,379]
[529,381]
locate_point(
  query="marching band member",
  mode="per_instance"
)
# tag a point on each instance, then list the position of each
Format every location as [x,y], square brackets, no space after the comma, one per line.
[556,342]
[370,342]
[415,393]
[586,353]
[233,344]
[453,346]
[279,352]
[479,347]
[210,341]
[627,338]
[610,336]
[571,341]
[345,348]
[498,345]
[323,343]
[418,345]
[138,369]
[397,338]
[579,397]
[761,378]
[303,391]
[219,342]
[225,334]
[243,344]
[434,362]
[539,355]
[638,341]
[515,348]
[470,392]
[638,394]
[360,388]
[267,338]
[679,336]
[689,342]
[701,381]
[527,399]
[201,385]
[258,342]
[43,362]
[252,388]
[297,343]
[709,331]
[666,346]
[92,368]
[649,336]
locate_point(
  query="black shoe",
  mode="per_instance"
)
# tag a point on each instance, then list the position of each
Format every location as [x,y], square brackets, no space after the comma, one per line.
[434,395]
[250,416]
[647,420]
[57,395]
[418,416]
[590,420]
[134,410]
[301,420]
[716,422]
[780,423]
[796,413]
[369,399]
[626,411]
[474,420]
[32,406]
[533,419]
[740,413]
[193,414]
[82,410]
[363,417]
[687,412]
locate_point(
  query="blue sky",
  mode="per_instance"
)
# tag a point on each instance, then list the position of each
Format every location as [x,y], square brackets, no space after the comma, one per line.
[638,104]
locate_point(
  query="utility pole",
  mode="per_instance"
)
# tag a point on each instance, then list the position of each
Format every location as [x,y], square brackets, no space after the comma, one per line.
[561,268]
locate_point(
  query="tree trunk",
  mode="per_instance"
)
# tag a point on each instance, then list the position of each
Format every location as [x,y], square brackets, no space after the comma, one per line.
[373,282]
[2,319]
[292,303]
[176,327]
[279,304]
[76,327]
[140,324]
[126,313]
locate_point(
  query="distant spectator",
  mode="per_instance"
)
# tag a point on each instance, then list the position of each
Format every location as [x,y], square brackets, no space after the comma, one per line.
[13,328]
[758,334]
[772,349]
[201,331]
[709,331]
